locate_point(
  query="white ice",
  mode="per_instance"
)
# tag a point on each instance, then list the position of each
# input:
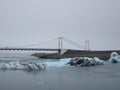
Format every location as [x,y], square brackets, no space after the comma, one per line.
[19,65]
[114,58]
[59,63]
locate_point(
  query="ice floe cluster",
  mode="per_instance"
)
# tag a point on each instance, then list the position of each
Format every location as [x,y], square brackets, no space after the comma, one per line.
[19,65]
[86,61]
[77,61]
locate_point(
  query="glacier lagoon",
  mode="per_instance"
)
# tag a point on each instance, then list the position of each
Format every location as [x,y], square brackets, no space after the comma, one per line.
[58,76]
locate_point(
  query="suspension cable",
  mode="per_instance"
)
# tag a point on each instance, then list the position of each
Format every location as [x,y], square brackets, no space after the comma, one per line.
[73,43]
[41,43]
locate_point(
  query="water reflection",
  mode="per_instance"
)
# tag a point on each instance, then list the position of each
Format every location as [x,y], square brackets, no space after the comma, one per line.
[30,72]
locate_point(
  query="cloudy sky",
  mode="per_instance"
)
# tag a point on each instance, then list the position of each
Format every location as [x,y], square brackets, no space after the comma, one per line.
[26,22]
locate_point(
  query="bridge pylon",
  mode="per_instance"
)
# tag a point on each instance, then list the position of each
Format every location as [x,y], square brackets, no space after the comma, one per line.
[60,45]
[86,44]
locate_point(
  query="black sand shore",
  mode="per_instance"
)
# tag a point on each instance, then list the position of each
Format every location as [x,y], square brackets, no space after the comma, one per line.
[104,55]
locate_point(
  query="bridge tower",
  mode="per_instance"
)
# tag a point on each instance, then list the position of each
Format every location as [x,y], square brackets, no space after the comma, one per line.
[86,44]
[60,44]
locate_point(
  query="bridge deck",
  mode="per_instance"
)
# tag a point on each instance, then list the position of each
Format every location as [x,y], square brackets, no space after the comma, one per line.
[29,49]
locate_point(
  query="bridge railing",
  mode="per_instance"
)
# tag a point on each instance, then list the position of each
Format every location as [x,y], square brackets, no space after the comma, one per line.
[28,49]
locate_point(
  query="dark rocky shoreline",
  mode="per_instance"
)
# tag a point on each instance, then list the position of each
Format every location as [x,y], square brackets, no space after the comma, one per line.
[103,55]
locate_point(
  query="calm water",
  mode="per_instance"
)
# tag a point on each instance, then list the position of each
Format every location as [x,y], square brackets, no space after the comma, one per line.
[105,77]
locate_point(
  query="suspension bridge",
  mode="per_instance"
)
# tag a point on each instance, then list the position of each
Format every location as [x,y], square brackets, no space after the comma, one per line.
[58,49]
[61,52]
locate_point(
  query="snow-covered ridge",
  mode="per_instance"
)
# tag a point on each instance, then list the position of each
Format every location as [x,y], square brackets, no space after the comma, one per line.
[19,65]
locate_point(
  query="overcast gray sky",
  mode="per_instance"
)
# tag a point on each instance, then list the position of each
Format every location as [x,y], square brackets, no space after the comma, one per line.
[24,22]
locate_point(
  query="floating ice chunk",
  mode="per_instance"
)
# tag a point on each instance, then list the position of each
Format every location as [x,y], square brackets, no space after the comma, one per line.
[18,65]
[114,58]
[98,60]
[85,61]
[59,63]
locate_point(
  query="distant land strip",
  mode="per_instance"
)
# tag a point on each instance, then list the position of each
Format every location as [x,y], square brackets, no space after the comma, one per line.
[103,54]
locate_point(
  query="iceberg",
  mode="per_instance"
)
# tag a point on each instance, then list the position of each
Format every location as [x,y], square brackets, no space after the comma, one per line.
[85,61]
[114,58]
[20,65]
